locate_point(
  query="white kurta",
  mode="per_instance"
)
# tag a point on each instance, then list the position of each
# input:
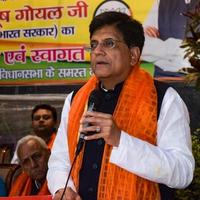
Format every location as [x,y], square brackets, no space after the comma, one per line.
[170,162]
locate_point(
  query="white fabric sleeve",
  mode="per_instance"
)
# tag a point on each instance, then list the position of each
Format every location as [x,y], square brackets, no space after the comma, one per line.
[170,162]
[152,17]
[15,159]
[59,162]
[166,54]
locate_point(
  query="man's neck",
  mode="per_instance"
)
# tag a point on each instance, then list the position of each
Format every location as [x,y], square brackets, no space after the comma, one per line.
[46,137]
[108,87]
[110,84]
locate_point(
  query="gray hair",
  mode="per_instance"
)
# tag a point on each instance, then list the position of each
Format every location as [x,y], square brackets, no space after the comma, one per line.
[25,139]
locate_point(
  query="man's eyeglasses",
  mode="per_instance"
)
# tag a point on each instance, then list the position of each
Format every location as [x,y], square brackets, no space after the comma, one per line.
[108,43]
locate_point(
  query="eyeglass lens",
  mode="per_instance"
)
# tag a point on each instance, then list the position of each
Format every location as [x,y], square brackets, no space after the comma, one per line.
[108,43]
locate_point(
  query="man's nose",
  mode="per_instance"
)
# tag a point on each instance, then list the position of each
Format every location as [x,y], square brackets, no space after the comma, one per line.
[41,120]
[32,163]
[99,49]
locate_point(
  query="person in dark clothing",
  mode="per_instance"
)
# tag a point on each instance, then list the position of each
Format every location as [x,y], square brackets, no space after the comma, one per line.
[44,121]
[165,29]
[2,188]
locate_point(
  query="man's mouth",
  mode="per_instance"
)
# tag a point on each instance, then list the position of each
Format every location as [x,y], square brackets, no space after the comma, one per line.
[38,173]
[41,126]
[100,63]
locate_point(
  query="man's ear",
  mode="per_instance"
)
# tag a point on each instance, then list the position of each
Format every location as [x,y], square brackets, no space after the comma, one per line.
[135,55]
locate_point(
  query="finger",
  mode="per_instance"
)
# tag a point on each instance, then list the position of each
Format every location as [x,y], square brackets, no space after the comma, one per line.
[69,194]
[95,129]
[94,136]
[58,195]
[152,32]
[78,197]
[97,119]
[97,114]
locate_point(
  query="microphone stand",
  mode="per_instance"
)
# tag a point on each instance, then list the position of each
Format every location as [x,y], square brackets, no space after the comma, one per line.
[94,101]
[78,150]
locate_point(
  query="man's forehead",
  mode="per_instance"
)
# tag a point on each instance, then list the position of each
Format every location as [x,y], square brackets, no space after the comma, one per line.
[29,148]
[43,111]
[107,30]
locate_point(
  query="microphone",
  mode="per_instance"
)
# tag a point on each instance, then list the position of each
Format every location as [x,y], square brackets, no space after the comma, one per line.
[93,103]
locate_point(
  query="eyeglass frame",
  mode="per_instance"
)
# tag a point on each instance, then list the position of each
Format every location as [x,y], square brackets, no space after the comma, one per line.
[103,44]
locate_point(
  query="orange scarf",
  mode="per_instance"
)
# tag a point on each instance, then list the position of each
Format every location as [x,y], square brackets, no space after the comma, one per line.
[23,185]
[135,113]
[51,141]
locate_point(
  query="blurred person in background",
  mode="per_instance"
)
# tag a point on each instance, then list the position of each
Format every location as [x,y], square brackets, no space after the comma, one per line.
[165,28]
[2,188]
[44,121]
[33,155]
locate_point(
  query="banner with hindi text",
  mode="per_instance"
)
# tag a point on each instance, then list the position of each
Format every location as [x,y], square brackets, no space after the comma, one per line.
[42,42]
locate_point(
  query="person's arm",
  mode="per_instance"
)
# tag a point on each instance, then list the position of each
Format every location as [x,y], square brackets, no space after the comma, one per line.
[152,17]
[59,163]
[170,162]
[15,159]
[151,22]
[165,54]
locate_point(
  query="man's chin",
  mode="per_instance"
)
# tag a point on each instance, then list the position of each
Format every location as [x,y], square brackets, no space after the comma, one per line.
[101,75]
[41,131]
[39,176]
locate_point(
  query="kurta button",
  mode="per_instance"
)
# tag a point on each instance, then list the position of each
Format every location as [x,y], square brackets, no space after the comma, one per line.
[100,142]
[94,166]
[108,96]
[90,189]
